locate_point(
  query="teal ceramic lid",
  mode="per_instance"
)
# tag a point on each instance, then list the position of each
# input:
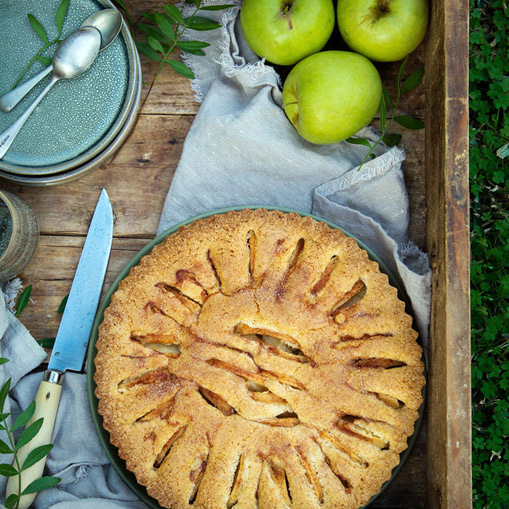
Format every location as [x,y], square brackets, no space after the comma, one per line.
[79,117]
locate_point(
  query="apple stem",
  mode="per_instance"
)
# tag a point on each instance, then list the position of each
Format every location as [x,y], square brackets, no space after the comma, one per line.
[381,9]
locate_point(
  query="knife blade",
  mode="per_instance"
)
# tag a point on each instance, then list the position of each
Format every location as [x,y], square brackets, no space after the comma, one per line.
[72,338]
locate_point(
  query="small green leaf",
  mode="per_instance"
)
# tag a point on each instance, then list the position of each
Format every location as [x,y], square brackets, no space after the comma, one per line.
[38,28]
[61,307]
[11,500]
[153,31]
[23,300]
[412,81]
[400,74]
[187,45]
[28,433]
[146,50]
[164,23]
[150,16]
[388,99]
[409,122]
[383,113]
[7,470]
[173,13]
[181,68]
[24,417]
[121,3]
[61,13]
[47,342]
[201,24]
[154,43]
[4,448]
[391,140]
[45,60]
[216,7]
[43,483]
[4,391]
[36,455]
[3,360]
[359,141]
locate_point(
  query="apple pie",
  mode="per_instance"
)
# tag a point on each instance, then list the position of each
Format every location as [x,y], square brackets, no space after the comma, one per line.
[258,359]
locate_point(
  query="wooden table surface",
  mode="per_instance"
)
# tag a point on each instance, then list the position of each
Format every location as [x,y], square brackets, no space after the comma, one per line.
[138,179]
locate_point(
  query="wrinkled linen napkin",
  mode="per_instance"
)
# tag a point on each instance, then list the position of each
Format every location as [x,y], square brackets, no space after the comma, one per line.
[241,150]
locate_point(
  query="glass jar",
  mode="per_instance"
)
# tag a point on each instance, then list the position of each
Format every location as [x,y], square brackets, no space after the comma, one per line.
[19,234]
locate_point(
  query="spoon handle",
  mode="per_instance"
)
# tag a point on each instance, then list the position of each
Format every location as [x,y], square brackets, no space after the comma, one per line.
[14,96]
[7,137]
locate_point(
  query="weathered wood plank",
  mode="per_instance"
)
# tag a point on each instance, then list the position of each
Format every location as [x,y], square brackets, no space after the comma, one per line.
[449,447]
[51,273]
[137,180]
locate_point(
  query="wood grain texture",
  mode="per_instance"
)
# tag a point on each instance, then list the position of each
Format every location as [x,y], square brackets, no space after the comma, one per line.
[449,446]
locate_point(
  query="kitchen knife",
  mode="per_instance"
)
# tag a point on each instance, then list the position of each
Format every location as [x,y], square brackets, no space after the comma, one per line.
[72,338]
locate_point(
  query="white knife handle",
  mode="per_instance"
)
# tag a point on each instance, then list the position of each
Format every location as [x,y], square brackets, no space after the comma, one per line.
[46,406]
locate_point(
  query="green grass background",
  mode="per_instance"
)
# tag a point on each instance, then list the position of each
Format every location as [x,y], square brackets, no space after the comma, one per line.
[489,178]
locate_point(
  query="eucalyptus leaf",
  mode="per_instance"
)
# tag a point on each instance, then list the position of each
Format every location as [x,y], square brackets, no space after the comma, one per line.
[181,68]
[61,13]
[150,16]
[153,31]
[400,74]
[4,448]
[388,99]
[38,28]
[187,45]
[36,455]
[173,13]
[23,300]
[146,50]
[201,24]
[7,470]
[198,52]
[359,141]
[43,483]
[11,500]
[216,7]
[4,391]
[28,433]
[61,307]
[164,23]
[412,81]
[154,44]
[45,60]
[24,417]
[409,122]
[3,360]
[47,342]
[391,140]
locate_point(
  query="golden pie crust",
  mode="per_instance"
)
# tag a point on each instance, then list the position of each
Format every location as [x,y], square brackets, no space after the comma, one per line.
[258,359]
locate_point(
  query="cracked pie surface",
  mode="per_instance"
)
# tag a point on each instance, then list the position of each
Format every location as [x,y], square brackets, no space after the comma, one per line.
[258,359]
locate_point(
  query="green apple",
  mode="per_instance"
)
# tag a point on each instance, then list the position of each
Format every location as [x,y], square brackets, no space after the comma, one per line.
[383,30]
[331,95]
[286,31]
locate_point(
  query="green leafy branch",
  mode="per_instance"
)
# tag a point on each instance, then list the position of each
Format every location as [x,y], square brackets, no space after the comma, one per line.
[386,103]
[21,304]
[163,33]
[29,431]
[43,35]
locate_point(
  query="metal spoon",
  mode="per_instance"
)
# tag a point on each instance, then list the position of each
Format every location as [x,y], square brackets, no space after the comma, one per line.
[74,56]
[107,21]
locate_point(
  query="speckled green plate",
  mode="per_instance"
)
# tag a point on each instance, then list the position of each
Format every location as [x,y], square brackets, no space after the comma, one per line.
[80,117]
[104,437]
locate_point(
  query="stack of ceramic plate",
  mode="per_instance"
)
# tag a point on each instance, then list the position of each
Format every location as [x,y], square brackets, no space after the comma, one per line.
[82,122]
